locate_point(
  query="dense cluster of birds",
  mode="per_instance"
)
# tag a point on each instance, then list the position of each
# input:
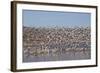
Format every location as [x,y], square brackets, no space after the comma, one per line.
[55,41]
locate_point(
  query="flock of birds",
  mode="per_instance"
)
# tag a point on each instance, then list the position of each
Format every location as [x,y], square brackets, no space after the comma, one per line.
[55,41]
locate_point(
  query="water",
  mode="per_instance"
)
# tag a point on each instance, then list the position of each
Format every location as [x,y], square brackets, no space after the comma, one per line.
[67,56]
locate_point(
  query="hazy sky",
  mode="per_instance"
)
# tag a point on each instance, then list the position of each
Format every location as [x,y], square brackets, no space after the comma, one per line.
[36,18]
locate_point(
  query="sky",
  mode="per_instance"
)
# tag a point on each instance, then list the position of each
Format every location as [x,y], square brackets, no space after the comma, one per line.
[37,18]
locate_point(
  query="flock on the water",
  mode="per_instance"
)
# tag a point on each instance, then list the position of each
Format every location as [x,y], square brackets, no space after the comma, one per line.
[55,41]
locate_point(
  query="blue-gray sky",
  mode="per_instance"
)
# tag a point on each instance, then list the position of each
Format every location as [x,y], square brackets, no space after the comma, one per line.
[37,18]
